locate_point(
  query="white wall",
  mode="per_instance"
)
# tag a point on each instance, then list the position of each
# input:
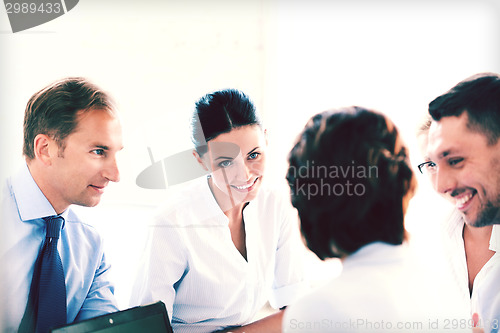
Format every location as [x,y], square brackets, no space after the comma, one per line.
[294,58]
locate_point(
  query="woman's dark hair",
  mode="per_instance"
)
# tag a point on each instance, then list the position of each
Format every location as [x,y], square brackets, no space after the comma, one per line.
[349,177]
[220,112]
[479,97]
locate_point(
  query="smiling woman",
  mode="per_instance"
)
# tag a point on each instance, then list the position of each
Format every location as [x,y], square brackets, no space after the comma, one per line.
[236,161]
[232,242]
[235,152]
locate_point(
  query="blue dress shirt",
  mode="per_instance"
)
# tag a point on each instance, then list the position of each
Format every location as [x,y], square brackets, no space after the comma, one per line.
[23,205]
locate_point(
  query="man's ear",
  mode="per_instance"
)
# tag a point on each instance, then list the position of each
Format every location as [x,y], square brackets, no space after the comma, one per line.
[198,158]
[44,148]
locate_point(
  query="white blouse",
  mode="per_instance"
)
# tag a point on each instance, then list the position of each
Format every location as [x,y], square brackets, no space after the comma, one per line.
[192,265]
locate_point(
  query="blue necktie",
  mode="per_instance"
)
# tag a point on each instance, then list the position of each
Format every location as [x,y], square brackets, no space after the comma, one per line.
[46,306]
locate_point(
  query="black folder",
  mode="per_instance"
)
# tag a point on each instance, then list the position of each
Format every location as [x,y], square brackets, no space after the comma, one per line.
[151,318]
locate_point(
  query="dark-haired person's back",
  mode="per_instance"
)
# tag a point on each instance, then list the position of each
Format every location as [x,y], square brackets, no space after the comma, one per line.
[357,216]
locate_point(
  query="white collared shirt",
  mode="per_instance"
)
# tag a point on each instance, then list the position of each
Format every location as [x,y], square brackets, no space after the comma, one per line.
[379,290]
[192,265]
[486,288]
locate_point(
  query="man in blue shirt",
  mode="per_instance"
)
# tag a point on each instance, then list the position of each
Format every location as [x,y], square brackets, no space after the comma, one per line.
[71,137]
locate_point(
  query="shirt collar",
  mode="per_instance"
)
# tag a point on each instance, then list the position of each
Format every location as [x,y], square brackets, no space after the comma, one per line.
[457,225]
[210,208]
[31,202]
[207,207]
[376,252]
[495,238]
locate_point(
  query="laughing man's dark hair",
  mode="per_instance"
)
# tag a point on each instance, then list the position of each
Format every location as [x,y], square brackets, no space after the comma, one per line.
[479,97]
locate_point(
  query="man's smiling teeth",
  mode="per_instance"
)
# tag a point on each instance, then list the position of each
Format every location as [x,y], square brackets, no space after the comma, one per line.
[463,200]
